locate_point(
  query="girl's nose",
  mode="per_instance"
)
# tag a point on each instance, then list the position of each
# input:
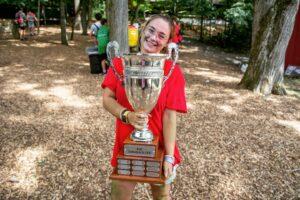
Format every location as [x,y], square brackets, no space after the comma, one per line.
[153,36]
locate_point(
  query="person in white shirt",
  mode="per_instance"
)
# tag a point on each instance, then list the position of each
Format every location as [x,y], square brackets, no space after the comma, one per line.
[95,27]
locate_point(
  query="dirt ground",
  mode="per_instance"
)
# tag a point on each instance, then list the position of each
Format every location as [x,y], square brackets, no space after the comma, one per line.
[56,139]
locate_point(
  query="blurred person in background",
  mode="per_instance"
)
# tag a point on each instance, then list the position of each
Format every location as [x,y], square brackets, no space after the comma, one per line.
[95,27]
[21,23]
[103,39]
[177,36]
[31,20]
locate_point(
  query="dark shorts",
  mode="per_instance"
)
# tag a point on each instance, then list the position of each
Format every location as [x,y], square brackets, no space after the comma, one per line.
[22,27]
[102,56]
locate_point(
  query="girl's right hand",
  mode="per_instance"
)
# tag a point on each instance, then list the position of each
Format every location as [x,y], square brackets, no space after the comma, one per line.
[137,119]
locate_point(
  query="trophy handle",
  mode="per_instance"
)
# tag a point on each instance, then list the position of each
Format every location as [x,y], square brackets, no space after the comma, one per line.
[115,47]
[172,46]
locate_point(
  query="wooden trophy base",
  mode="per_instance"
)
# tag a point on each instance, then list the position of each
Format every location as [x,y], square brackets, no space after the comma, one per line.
[138,168]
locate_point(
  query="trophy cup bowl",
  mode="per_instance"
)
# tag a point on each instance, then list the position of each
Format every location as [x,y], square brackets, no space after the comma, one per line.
[144,75]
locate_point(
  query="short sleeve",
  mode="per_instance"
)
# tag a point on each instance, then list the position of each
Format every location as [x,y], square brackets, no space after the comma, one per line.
[111,80]
[176,99]
[93,29]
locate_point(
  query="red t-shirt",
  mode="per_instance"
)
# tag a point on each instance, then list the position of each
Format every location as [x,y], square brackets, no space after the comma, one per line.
[172,96]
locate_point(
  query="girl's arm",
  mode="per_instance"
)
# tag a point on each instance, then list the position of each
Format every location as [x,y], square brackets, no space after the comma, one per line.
[169,133]
[110,103]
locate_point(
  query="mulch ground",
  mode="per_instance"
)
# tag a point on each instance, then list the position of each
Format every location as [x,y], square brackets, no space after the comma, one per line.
[56,139]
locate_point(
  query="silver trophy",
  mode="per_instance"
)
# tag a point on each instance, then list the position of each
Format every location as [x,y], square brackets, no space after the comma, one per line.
[143,79]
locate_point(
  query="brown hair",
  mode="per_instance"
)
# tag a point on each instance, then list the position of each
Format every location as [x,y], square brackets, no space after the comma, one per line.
[167,19]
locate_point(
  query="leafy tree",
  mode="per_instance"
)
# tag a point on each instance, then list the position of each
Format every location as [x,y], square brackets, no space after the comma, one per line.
[137,7]
[239,16]
[204,10]
[22,3]
[272,28]
[98,7]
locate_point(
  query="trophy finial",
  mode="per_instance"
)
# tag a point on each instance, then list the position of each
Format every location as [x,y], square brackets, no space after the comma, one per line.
[115,47]
[172,47]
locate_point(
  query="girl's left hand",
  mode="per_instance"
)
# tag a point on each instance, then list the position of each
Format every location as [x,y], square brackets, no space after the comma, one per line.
[168,169]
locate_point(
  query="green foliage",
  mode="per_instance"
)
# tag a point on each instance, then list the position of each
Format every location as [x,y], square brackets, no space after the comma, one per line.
[138,8]
[24,3]
[99,7]
[203,8]
[240,14]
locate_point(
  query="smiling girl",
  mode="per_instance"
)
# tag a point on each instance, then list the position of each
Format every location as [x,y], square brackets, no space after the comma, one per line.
[156,34]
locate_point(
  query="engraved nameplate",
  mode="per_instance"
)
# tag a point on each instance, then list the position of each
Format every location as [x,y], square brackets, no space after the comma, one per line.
[137,150]
[145,72]
[123,172]
[152,174]
[138,162]
[153,164]
[123,166]
[153,169]
[138,173]
[123,162]
[138,168]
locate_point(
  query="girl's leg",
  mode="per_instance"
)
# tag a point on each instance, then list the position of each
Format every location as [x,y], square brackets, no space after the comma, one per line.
[103,65]
[20,33]
[23,33]
[161,192]
[121,190]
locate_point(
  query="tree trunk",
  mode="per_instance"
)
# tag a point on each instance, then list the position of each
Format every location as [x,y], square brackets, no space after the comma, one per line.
[201,21]
[74,21]
[84,16]
[117,13]
[90,12]
[272,28]
[14,30]
[63,23]
[77,7]
[201,27]
[39,16]
[107,10]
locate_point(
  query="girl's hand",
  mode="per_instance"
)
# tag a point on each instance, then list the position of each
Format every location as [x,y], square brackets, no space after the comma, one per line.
[168,169]
[137,119]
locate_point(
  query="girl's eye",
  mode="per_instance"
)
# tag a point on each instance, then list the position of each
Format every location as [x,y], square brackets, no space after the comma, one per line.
[151,30]
[162,37]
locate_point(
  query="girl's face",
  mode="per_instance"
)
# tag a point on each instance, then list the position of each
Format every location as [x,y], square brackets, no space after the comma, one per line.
[155,36]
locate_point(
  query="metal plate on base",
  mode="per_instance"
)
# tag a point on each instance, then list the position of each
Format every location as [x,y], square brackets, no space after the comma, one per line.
[141,179]
[139,150]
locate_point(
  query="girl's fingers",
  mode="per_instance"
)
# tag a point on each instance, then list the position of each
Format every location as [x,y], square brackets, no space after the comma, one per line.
[138,119]
[167,169]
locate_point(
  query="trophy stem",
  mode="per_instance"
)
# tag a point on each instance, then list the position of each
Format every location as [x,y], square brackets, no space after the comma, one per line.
[144,135]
